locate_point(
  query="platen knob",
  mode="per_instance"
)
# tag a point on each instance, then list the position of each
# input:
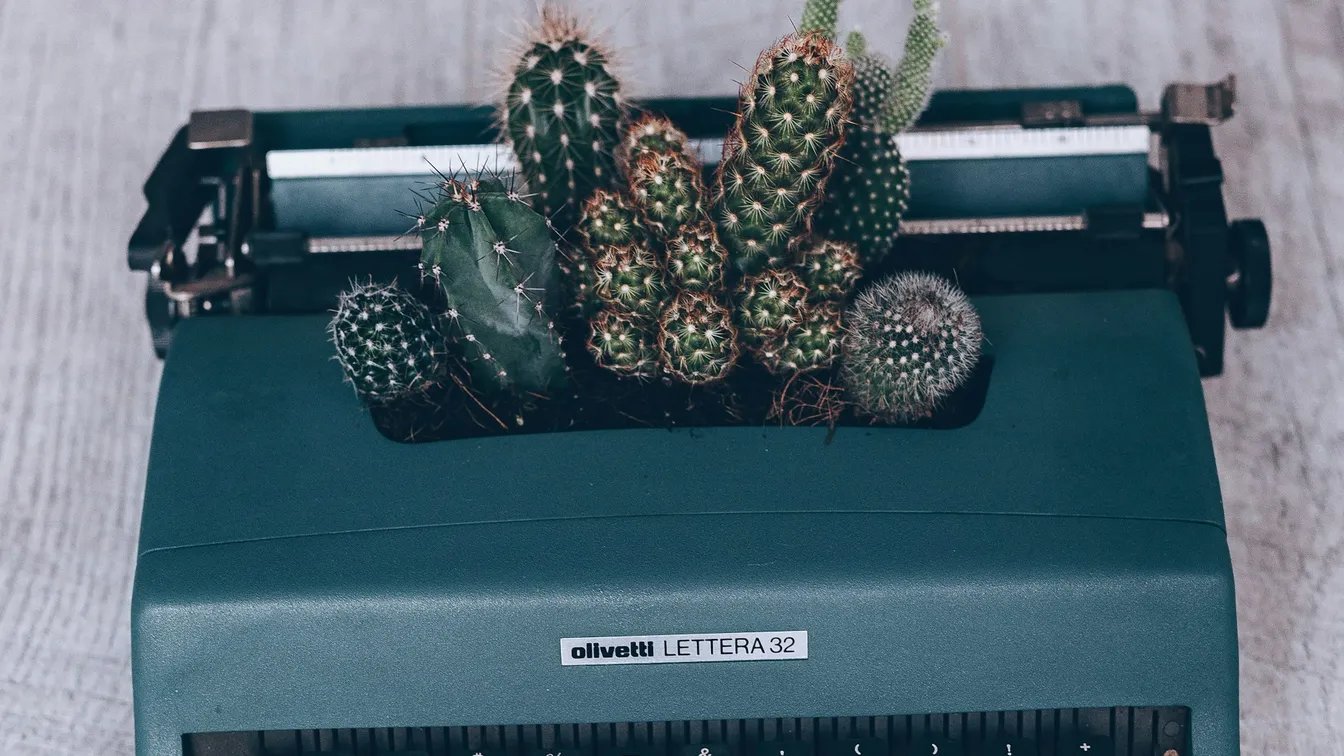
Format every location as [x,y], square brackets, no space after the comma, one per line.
[1250,278]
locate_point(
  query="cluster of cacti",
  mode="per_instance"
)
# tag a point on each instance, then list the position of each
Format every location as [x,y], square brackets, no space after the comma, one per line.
[913,339]
[789,126]
[494,262]
[386,342]
[563,112]
[658,265]
[869,190]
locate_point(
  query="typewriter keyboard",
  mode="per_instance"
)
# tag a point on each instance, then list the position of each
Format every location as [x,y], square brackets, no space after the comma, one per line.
[1060,732]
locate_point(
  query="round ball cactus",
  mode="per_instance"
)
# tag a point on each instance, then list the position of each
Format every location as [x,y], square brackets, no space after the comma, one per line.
[810,343]
[695,259]
[696,339]
[912,340]
[667,189]
[654,133]
[768,303]
[630,280]
[608,220]
[830,270]
[622,344]
[386,342]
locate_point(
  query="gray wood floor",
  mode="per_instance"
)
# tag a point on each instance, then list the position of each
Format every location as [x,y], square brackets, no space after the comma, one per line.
[91,91]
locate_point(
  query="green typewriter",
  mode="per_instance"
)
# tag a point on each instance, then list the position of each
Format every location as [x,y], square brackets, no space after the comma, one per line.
[1048,575]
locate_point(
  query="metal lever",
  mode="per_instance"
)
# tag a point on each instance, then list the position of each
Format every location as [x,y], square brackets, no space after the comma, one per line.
[1207,104]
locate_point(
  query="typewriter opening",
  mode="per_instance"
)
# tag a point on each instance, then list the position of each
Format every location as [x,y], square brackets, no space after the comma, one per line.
[1121,731]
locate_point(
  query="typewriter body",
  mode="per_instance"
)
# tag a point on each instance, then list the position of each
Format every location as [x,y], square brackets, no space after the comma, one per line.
[1050,578]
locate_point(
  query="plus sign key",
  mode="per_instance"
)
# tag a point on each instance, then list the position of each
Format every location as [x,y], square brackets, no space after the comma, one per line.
[1086,745]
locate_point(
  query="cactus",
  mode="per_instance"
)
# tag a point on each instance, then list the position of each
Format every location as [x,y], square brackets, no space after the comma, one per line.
[830,270]
[494,262]
[912,340]
[608,220]
[779,153]
[820,16]
[622,344]
[869,190]
[768,304]
[812,342]
[385,342]
[696,339]
[667,188]
[695,259]
[654,133]
[630,280]
[563,113]
[580,285]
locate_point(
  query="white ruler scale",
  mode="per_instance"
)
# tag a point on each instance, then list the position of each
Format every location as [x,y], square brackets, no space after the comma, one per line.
[953,144]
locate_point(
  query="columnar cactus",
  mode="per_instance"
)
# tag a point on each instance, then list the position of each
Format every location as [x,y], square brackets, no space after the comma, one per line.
[912,340]
[608,220]
[696,339]
[778,156]
[869,190]
[386,342]
[563,113]
[494,260]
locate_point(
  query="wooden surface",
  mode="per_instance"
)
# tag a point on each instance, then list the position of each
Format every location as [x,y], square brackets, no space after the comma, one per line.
[91,91]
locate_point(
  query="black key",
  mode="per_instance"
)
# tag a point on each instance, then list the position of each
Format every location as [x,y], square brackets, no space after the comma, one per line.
[1010,747]
[858,747]
[931,747]
[784,748]
[1085,745]
[707,749]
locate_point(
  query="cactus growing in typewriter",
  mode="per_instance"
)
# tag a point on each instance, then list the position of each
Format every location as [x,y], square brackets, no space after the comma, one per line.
[830,270]
[494,262]
[810,342]
[386,342]
[624,344]
[869,190]
[779,153]
[912,340]
[563,114]
[697,342]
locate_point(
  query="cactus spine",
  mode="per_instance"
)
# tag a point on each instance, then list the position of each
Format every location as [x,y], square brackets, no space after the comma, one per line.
[494,262]
[386,342]
[696,339]
[563,113]
[779,154]
[913,339]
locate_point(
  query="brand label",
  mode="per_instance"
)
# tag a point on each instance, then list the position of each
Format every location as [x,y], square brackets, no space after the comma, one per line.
[670,649]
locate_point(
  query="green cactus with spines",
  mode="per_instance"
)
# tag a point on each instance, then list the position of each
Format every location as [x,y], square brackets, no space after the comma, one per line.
[790,124]
[563,113]
[652,132]
[630,280]
[768,304]
[580,285]
[830,270]
[914,74]
[912,339]
[623,344]
[697,343]
[386,342]
[607,219]
[695,259]
[494,261]
[810,343]
[667,188]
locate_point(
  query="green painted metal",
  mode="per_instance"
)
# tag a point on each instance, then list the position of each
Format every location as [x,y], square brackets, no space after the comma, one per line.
[1065,549]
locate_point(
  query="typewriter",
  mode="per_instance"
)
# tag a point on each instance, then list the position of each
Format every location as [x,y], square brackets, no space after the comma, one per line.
[1049,578]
